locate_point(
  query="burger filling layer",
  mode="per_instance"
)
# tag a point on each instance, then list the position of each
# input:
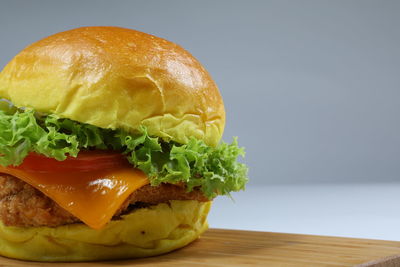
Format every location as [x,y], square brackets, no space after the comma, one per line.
[58,171]
[23,205]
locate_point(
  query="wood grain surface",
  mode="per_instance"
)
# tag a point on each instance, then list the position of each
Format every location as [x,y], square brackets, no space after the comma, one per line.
[219,247]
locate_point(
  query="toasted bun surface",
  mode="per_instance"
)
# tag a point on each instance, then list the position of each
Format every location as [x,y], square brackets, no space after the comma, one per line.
[114,77]
[143,232]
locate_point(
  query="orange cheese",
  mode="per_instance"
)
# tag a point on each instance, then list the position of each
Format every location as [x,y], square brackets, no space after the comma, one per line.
[91,196]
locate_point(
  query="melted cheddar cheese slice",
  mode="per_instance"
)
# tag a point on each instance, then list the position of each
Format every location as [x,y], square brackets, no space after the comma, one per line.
[92,196]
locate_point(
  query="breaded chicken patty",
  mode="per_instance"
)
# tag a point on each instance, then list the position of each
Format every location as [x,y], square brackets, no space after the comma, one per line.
[23,205]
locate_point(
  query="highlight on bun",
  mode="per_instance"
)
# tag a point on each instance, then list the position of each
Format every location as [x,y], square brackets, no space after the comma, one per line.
[113,77]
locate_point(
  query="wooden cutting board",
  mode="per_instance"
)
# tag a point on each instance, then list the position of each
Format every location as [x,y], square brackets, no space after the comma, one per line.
[222,248]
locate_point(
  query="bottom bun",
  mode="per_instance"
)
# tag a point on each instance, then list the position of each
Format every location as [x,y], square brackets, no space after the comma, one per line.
[143,232]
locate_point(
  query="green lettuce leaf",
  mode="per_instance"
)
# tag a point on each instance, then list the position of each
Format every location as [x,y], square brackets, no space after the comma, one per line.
[214,170]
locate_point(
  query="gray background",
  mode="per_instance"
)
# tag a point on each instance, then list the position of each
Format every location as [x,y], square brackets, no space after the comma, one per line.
[312,88]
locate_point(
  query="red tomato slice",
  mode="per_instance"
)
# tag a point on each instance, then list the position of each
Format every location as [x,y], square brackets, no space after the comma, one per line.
[85,161]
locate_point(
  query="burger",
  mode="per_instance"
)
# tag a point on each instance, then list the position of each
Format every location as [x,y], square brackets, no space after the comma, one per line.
[109,147]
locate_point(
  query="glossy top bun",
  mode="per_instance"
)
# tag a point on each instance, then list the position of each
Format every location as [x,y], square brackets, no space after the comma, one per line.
[114,77]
